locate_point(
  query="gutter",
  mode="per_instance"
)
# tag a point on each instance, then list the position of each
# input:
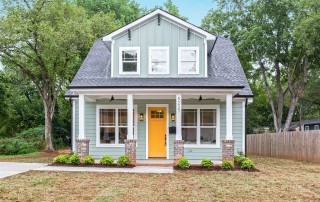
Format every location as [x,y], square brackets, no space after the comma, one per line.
[245,128]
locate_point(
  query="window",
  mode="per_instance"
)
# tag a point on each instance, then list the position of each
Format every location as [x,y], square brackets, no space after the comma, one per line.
[306,128]
[200,125]
[158,60]
[129,60]
[316,127]
[188,60]
[112,125]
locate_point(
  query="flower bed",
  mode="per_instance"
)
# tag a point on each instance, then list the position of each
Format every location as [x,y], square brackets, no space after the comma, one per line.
[91,165]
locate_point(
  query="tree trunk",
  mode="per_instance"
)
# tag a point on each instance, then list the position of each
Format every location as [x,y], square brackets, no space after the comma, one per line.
[293,104]
[48,127]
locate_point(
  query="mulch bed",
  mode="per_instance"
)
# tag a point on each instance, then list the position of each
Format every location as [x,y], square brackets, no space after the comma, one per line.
[90,165]
[215,168]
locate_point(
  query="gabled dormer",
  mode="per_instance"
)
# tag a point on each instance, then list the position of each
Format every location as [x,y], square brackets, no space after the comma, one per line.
[159,45]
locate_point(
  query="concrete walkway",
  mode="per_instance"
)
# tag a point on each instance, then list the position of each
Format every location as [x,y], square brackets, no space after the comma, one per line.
[137,169]
[9,168]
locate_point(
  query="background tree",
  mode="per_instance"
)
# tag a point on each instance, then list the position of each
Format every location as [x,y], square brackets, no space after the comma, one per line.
[169,7]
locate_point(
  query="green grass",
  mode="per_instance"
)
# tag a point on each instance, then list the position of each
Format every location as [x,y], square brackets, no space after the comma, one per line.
[34,154]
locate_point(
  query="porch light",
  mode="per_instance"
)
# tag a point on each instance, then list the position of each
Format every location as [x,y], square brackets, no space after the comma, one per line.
[173,117]
[141,117]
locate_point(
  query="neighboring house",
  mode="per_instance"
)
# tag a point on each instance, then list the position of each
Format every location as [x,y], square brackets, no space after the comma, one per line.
[312,124]
[160,87]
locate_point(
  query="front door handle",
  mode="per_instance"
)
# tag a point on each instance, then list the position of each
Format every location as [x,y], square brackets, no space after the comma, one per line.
[165,139]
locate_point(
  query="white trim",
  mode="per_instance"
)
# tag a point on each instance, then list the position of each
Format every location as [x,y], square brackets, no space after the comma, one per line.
[117,107]
[147,127]
[82,122]
[195,48]
[218,135]
[121,72]
[166,48]
[205,59]
[243,126]
[229,135]
[178,116]
[154,13]
[112,56]
[73,125]
[130,116]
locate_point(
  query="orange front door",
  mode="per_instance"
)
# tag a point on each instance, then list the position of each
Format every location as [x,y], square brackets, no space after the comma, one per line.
[157,127]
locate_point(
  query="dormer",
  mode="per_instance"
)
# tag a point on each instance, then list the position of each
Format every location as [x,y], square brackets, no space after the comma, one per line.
[159,45]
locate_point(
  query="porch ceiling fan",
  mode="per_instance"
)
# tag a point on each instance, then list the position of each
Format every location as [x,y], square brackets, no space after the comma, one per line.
[200,98]
[112,99]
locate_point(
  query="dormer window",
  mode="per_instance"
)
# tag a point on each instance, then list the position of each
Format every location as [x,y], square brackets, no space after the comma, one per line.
[188,60]
[159,60]
[129,60]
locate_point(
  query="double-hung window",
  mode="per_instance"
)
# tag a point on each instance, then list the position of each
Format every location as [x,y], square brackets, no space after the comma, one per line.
[129,60]
[112,125]
[158,60]
[201,126]
[188,60]
[316,127]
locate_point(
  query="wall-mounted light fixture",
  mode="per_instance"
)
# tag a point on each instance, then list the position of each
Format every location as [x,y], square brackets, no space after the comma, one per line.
[141,117]
[173,117]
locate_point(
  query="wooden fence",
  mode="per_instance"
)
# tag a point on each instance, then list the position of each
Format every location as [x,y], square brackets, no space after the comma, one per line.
[300,145]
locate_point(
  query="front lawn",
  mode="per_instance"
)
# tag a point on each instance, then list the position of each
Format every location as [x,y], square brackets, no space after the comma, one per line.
[277,180]
[36,157]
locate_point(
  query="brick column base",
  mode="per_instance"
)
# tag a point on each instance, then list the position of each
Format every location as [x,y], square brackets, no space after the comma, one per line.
[82,147]
[178,150]
[130,150]
[228,150]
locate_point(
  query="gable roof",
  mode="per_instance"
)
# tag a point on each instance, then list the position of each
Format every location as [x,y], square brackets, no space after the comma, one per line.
[305,122]
[150,15]
[224,71]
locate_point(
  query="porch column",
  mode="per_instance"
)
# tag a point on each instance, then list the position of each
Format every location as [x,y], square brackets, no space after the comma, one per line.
[178,150]
[82,143]
[130,143]
[228,143]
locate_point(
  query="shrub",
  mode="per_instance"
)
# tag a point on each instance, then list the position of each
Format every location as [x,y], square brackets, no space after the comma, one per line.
[14,146]
[88,160]
[61,159]
[106,160]
[247,164]
[206,163]
[239,159]
[74,159]
[183,163]
[226,164]
[123,160]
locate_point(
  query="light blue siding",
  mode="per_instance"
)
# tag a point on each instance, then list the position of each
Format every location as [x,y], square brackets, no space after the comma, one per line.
[190,153]
[165,34]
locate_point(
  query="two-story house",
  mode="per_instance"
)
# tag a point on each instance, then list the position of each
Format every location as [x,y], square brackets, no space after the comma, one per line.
[160,87]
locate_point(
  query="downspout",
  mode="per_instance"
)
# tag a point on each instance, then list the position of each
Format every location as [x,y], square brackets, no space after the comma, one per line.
[245,127]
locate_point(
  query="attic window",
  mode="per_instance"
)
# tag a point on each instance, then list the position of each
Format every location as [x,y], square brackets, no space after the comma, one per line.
[129,60]
[158,60]
[188,60]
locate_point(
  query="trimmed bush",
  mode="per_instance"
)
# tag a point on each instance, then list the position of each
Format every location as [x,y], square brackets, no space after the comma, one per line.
[247,164]
[239,159]
[88,160]
[61,159]
[124,160]
[206,163]
[74,159]
[107,160]
[183,163]
[226,164]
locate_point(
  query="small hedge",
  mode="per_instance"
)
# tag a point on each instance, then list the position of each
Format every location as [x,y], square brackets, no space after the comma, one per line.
[239,159]
[61,159]
[107,160]
[88,160]
[206,163]
[124,160]
[74,159]
[247,164]
[183,163]
[226,164]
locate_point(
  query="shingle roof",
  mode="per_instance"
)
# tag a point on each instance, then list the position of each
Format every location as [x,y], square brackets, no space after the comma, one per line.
[305,122]
[224,71]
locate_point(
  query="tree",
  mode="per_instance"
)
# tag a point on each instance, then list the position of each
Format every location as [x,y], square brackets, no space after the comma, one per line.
[42,39]
[172,9]
[264,34]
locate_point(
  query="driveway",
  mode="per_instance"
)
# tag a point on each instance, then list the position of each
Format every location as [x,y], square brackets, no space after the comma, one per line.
[8,168]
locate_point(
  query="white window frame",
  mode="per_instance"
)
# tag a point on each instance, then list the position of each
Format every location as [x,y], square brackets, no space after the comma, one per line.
[120,60]
[306,128]
[116,107]
[196,48]
[198,108]
[316,127]
[166,48]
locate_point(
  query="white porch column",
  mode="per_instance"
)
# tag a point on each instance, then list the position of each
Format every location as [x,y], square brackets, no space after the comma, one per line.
[229,135]
[178,116]
[81,135]
[130,116]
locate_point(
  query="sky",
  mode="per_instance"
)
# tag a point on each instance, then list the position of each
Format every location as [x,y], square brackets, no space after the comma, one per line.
[195,10]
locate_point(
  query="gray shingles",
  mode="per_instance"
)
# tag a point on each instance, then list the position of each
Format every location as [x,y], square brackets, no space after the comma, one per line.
[224,70]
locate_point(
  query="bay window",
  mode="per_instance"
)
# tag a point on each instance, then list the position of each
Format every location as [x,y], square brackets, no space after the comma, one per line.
[201,126]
